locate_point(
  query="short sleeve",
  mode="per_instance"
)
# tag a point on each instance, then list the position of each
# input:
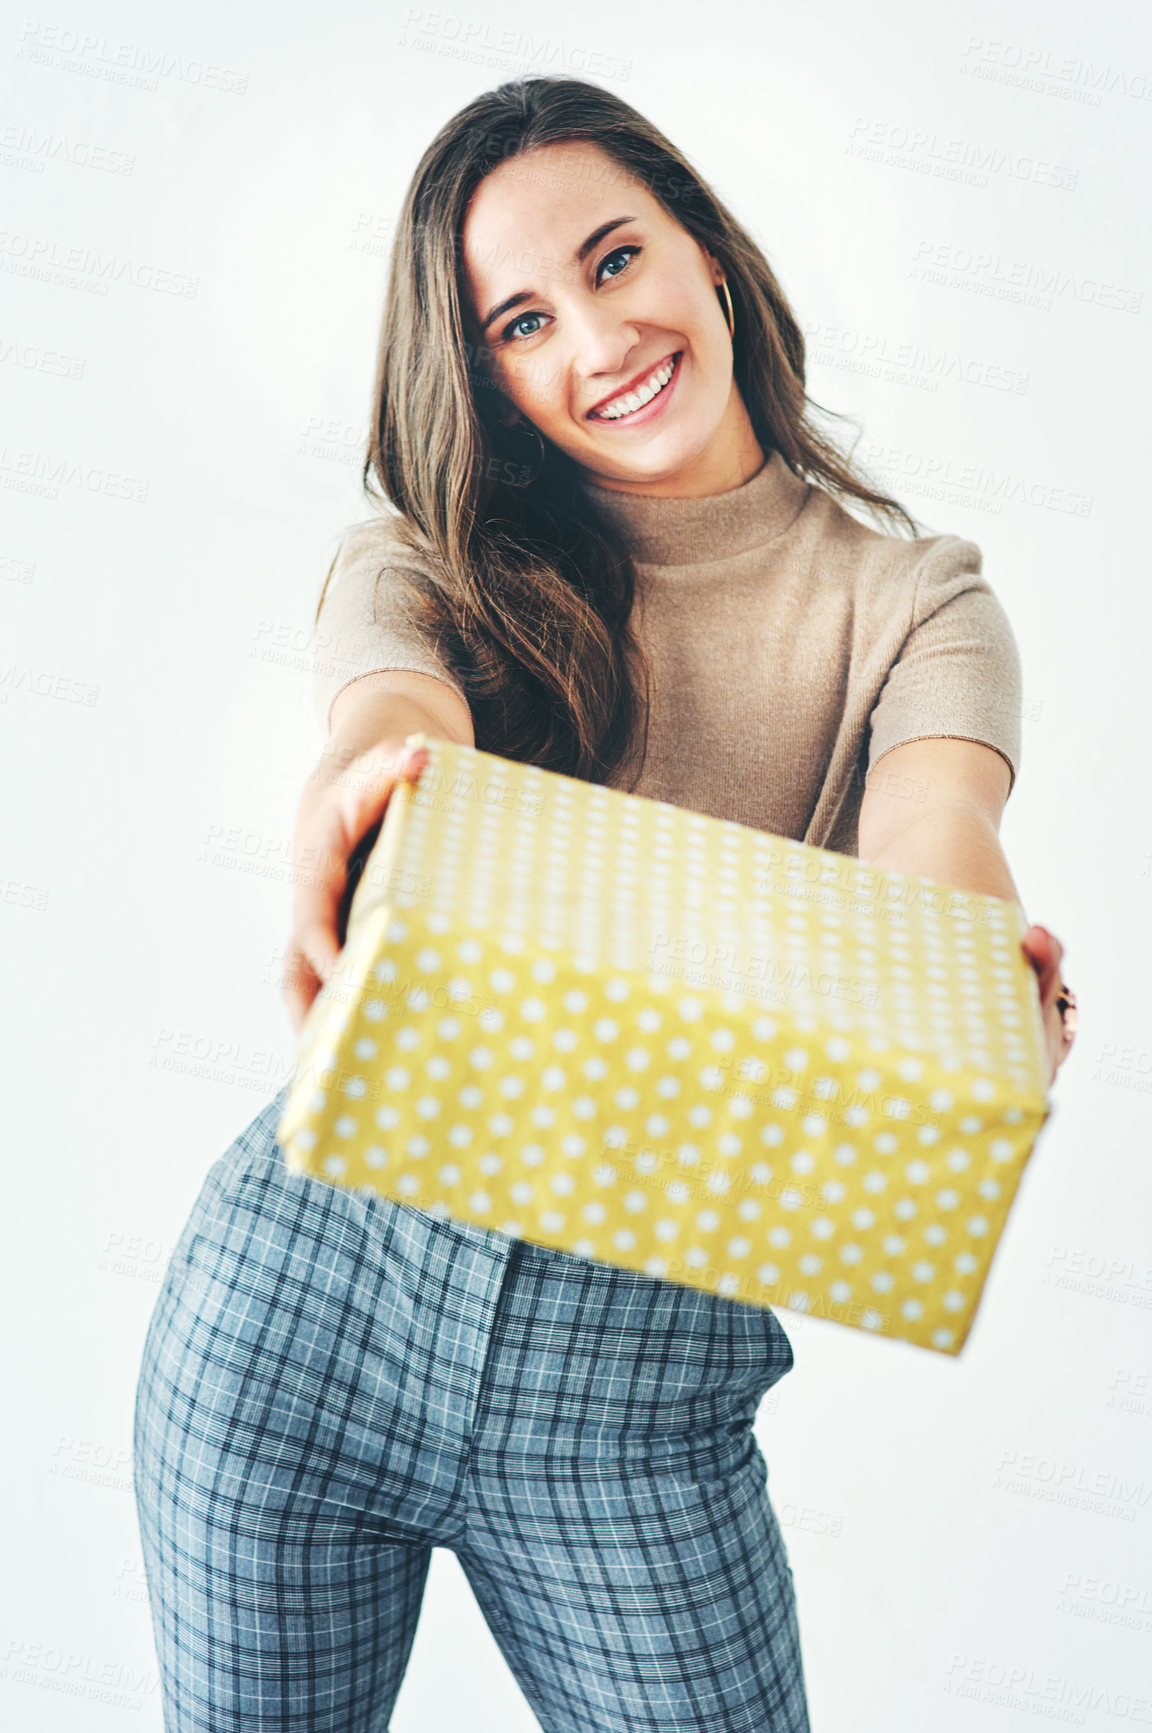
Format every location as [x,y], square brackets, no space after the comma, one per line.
[958,674]
[370,620]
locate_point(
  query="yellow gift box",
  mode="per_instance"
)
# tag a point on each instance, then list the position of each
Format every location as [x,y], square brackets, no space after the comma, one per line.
[675,1044]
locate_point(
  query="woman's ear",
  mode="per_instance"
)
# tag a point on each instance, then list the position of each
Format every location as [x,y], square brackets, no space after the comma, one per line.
[718,271]
[505,410]
[500,408]
[494,404]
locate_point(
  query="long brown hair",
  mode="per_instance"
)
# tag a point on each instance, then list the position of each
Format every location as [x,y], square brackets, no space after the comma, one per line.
[528,595]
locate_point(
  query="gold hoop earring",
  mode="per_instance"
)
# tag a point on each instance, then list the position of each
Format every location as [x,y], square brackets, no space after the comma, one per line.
[723,287]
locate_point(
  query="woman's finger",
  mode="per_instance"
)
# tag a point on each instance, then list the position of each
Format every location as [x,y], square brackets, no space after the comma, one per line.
[299,985]
[1045,953]
[338,814]
[321,874]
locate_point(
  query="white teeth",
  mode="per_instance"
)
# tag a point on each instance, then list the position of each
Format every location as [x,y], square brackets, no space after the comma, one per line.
[655,382]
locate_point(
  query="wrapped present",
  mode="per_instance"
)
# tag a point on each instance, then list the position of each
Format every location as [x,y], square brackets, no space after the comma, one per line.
[679,1045]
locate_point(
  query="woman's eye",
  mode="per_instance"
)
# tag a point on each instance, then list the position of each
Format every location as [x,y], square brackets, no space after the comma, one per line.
[515,329]
[618,261]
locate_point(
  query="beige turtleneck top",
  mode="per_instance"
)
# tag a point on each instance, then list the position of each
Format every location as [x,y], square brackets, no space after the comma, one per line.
[789,647]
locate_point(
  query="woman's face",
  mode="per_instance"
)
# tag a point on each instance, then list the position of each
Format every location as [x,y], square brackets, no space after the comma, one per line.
[596,314]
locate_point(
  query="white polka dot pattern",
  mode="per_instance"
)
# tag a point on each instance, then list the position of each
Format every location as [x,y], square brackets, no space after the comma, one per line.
[678,1045]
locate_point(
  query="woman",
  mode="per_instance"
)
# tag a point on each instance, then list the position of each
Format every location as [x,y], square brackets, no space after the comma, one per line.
[593,425]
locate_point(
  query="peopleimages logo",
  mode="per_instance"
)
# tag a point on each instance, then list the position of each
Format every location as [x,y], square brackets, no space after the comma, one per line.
[130,63]
[33,358]
[77,1675]
[45,683]
[1019,280]
[49,260]
[906,362]
[921,149]
[1052,1696]
[1108,1602]
[474,40]
[932,474]
[41,473]
[1031,67]
[1109,1277]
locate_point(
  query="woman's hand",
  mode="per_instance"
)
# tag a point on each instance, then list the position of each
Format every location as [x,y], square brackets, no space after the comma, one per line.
[343,798]
[1044,951]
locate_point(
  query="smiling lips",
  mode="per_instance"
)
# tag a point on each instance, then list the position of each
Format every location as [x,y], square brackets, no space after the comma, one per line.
[628,402]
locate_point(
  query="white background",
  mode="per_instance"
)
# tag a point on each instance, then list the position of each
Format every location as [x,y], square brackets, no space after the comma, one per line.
[922,1565]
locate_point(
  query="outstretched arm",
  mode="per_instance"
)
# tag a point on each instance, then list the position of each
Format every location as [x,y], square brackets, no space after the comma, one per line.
[932,809]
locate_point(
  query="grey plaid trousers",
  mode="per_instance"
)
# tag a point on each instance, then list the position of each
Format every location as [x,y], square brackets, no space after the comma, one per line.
[333,1384]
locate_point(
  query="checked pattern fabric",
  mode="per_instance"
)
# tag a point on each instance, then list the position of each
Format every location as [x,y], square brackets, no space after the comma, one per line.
[333,1383]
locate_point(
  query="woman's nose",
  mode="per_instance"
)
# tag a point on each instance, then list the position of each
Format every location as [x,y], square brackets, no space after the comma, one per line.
[602,343]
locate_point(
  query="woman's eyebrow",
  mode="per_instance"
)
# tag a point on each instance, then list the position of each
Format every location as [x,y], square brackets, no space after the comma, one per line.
[598,235]
[580,255]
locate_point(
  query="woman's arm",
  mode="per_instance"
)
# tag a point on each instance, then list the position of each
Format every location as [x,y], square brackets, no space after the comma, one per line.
[378,705]
[932,809]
